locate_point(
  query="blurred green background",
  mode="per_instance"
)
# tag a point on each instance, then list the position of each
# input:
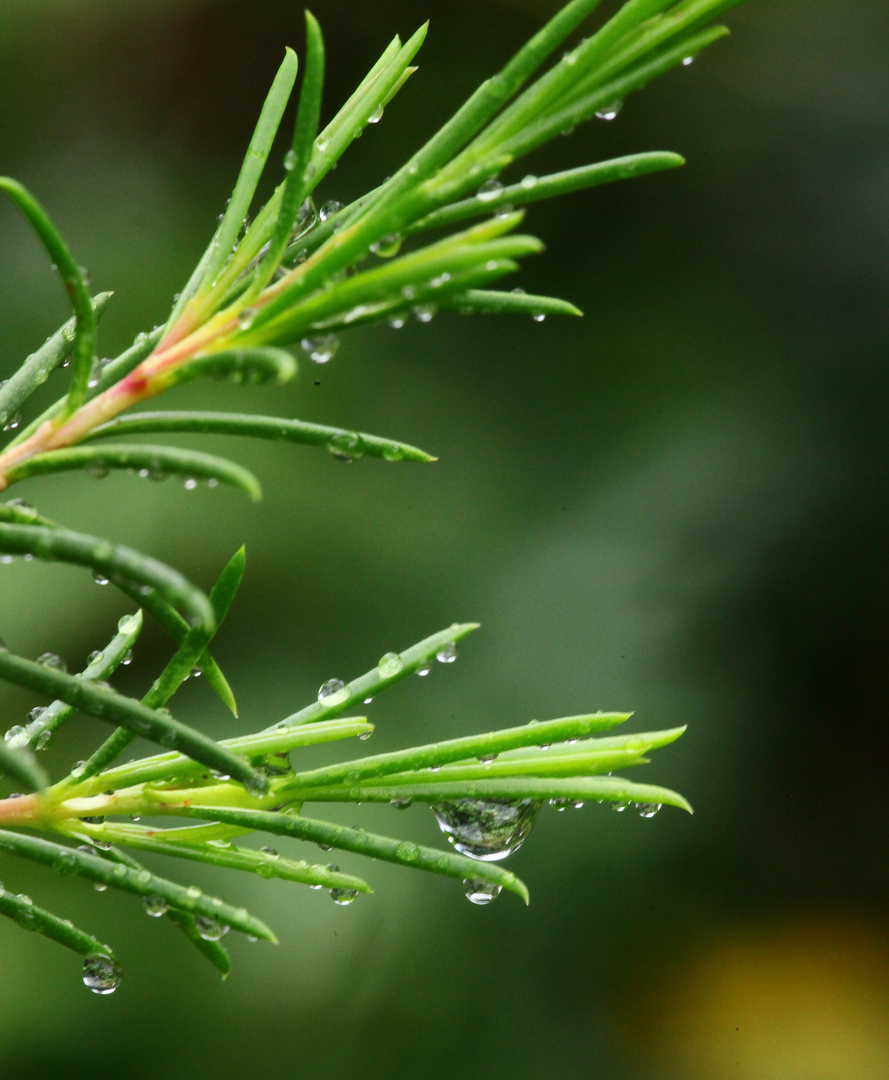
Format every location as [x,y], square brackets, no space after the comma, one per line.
[676,505]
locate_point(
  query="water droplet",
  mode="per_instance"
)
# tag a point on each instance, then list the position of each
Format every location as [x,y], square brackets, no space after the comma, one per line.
[401,804]
[396,321]
[447,654]
[487,759]
[529,182]
[290,160]
[538,316]
[333,692]
[101,974]
[155,906]
[246,318]
[569,59]
[389,665]
[193,892]
[17,738]
[343,896]
[559,804]
[50,660]
[609,112]
[365,735]
[320,349]
[423,670]
[648,809]
[35,714]
[486,829]
[376,116]
[424,313]
[480,892]
[489,190]
[442,279]
[387,246]
[99,577]
[210,929]
[78,769]
[190,483]
[346,446]
[321,144]
[688,61]
[127,624]
[13,422]
[329,209]
[619,807]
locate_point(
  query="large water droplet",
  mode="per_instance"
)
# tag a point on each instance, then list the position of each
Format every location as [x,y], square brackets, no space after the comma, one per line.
[346,446]
[17,738]
[387,246]
[322,348]
[343,896]
[376,116]
[333,692]
[155,906]
[489,190]
[486,829]
[609,112]
[50,660]
[389,665]
[210,929]
[648,809]
[101,974]
[447,654]
[480,892]
[329,209]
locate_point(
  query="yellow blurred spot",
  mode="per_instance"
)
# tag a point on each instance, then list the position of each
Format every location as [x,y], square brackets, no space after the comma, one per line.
[805,1000]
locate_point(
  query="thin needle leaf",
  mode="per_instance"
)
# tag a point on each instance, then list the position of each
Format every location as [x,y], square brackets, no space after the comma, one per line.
[111,560]
[148,461]
[70,860]
[85,317]
[42,730]
[122,711]
[180,666]
[39,365]
[37,919]
[403,852]
[259,427]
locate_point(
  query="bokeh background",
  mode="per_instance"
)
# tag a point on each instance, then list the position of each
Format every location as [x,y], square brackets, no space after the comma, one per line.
[676,505]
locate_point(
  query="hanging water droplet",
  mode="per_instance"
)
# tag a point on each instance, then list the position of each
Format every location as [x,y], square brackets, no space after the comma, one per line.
[210,929]
[50,660]
[487,759]
[95,656]
[480,892]
[538,316]
[98,470]
[688,61]
[78,769]
[609,112]
[365,735]
[424,669]
[333,692]
[190,483]
[35,714]
[246,318]
[17,738]
[343,896]
[329,209]
[99,577]
[387,246]
[100,886]
[619,807]
[396,321]
[401,804]
[13,422]
[559,804]
[389,665]
[376,116]
[346,446]
[489,190]
[447,654]
[648,809]
[487,829]
[101,974]
[322,348]
[155,906]
[424,313]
